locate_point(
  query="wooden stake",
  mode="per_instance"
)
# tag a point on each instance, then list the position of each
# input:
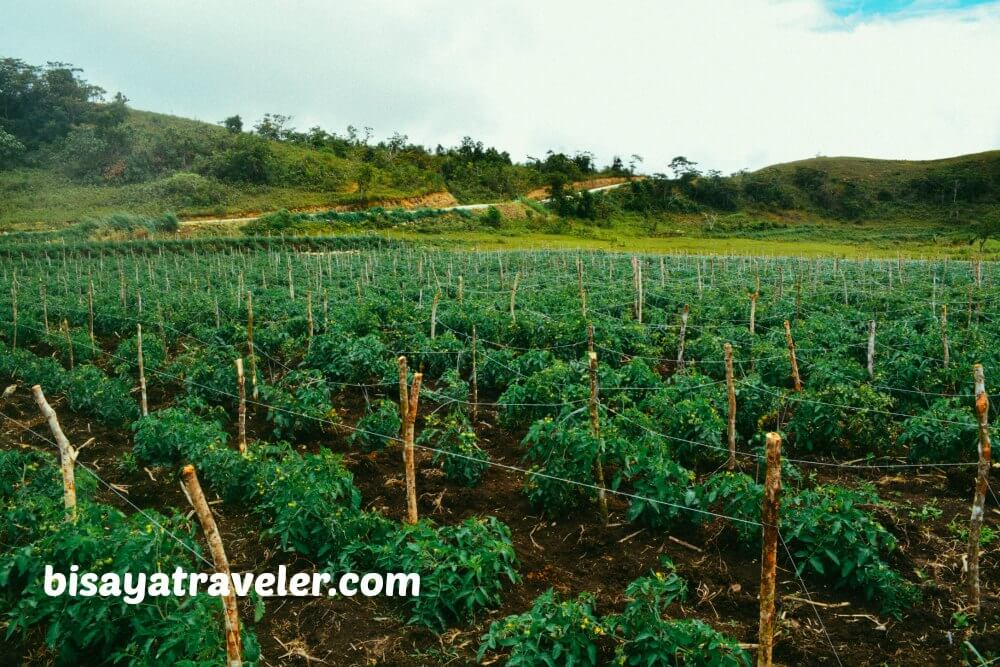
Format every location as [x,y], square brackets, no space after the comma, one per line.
[944,333]
[595,428]
[513,296]
[871,349]
[475,380]
[680,338]
[69,342]
[982,475]
[769,550]
[90,311]
[408,401]
[434,313]
[731,392]
[241,421]
[67,455]
[192,489]
[143,403]
[797,382]
[753,312]
[309,318]
[250,350]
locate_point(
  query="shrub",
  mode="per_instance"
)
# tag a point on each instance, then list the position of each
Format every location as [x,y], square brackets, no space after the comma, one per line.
[299,404]
[169,436]
[943,433]
[461,458]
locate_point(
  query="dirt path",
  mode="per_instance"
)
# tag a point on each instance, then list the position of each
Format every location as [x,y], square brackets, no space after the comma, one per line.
[439,200]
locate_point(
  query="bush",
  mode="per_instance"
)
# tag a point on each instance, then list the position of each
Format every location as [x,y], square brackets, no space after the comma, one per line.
[461,458]
[299,404]
[167,437]
[943,433]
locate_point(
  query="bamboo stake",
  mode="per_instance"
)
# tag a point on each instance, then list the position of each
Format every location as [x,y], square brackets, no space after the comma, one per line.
[67,455]
[595,428]
[241,421]
[731,392]
[769,550]
[871,349]
[982,475]
[143,403]
[195,495]
[791,357]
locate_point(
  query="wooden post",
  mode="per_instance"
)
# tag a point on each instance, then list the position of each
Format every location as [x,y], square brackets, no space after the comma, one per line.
[241,421]
[513,296]
[595,428]
[731,392]
[769,550]
[309,318]
[475,380]
[291,284]
[680,338]
[143,403]
[944,333]
[983,471]
[797,382]
[871,349]
[753,312]
[67,455]
[408,401]
[250,351]
[461,290]
[192,489]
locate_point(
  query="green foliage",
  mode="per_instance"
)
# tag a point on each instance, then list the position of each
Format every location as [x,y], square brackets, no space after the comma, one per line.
[552,632]
[844,420]
[664,492]
[167,437]
[299,404]
[560,451]
[309,503]
[462,460]
[943,433]
[830,535]
[380,425]
[462,568]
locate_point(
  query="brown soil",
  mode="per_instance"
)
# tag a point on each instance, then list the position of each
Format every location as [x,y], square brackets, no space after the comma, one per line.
[542,193]
[572,556]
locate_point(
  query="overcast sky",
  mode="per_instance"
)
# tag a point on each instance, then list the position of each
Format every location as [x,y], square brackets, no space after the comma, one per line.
[732,85]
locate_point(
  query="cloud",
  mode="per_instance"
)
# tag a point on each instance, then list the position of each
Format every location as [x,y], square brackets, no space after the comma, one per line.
[730,84]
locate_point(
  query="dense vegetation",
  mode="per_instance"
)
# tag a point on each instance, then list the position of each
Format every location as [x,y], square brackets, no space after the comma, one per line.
[662,423]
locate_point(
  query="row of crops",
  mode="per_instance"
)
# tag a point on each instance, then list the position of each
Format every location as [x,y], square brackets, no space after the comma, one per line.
[495,335]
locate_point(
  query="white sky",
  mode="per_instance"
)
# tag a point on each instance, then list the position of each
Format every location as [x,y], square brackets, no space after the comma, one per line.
[734,84]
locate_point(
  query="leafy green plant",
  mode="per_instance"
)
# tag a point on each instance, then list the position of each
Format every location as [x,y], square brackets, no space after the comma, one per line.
[380,425]
[462,460]
[943,433]
[299,404]
[552,632]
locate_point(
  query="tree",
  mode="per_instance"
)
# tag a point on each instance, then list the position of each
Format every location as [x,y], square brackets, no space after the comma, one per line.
[10,147]
[272,126]
[986,228]
[234,124]
[683,168]
[366,176]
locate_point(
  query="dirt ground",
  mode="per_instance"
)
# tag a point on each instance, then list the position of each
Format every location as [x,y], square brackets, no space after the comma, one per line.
[571,556]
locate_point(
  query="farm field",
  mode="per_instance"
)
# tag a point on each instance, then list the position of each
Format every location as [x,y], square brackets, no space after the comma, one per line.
[516,443]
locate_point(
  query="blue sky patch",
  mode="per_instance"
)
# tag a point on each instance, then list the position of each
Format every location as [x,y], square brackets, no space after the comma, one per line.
[888,8]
